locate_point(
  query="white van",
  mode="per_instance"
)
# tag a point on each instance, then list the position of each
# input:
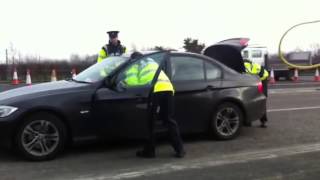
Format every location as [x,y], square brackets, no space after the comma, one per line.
[255,53]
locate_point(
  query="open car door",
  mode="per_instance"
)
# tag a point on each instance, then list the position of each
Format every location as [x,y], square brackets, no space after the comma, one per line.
[121,110]
[228,52]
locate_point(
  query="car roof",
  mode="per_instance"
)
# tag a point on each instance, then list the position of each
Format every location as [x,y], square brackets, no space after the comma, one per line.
[128,54]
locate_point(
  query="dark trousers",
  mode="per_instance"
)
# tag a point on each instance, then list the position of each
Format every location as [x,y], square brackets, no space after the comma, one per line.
[264,118]
[164,101]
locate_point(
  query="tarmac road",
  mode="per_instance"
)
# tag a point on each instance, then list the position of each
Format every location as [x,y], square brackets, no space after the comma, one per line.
[288,149]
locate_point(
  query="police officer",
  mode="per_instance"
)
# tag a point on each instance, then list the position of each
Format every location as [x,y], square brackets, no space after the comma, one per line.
[161,104]
[256,69]
[114,48]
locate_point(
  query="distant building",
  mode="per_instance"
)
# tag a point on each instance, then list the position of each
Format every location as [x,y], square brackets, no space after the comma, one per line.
[300,58]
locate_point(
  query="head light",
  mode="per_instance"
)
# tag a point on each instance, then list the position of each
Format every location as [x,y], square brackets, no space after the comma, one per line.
[7,110]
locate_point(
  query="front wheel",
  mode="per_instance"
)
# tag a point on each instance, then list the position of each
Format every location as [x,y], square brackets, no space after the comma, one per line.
[226,122]
[40,137]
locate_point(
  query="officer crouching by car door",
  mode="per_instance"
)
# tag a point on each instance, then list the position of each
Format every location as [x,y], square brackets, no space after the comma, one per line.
[161,104]
[256,69]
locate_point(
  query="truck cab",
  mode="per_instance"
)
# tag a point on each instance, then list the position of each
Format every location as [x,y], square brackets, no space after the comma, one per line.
[255,53]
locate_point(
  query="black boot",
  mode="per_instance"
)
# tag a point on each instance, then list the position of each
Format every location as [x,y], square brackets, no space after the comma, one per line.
[180,154]
[263,125]
[263,121]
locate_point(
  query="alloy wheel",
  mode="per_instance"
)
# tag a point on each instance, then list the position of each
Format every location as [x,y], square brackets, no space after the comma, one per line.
[228,121]
[40,138]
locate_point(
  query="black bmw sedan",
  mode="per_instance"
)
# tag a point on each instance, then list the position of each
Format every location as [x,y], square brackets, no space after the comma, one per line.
[39,120]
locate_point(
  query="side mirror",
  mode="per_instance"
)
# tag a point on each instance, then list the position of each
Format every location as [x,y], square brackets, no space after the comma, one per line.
[108,83]
[118,87]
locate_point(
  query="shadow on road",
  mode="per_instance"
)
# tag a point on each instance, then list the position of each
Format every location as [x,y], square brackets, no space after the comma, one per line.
[124,147]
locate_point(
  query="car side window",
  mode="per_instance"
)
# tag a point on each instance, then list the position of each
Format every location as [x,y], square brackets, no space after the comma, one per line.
[185,68]
[212,71]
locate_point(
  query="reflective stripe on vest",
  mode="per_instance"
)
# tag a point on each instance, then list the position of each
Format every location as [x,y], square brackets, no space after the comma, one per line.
[147,73]
[163,83]
[256,69]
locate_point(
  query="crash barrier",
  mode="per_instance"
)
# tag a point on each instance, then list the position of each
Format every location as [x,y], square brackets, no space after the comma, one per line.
[53,76]
[296,77]
[73,73]
[41,70]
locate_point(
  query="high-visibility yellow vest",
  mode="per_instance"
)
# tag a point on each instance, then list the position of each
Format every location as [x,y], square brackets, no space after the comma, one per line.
[102,55]
[256,69]
[163,82]
[144,76]
[132,76]
[148,72]
[104,52]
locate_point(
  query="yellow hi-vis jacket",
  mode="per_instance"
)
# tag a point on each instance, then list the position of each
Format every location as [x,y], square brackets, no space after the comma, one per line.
[138,76]
[105,52]
[102,55]
[256,69]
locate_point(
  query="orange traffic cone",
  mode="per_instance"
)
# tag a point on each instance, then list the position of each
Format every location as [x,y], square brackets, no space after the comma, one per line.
[296,75]
[15,80]
[74,73]
[316,75]
[28,78]
[53,75]
[272,79]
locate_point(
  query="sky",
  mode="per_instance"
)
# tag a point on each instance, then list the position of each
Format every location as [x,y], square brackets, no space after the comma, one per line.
[59,28]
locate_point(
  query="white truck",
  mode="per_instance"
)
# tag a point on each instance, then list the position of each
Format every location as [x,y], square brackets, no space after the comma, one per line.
[259,54]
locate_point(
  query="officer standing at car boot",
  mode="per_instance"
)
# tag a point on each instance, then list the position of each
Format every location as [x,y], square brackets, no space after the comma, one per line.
[161,104]
[113,48]
[256,69]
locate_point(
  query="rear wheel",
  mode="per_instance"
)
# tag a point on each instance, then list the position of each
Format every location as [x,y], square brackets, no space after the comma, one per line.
[226,122]
[40,137]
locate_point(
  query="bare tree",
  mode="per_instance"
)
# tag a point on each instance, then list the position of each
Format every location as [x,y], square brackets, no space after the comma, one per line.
[13,52]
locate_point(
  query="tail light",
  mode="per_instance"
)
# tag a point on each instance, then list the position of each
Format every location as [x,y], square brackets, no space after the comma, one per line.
[260,87]
[244,41]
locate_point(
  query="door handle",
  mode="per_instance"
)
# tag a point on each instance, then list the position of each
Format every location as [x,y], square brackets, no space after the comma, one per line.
[139,97]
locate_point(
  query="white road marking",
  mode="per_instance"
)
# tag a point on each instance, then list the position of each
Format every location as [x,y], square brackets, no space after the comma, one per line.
[294,109]
[293,90]
[294,84]
[208,161]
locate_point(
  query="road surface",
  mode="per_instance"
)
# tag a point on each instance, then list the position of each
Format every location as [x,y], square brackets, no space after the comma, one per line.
[288,149]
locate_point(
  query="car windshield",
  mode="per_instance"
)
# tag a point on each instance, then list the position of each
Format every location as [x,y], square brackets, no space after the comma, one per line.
[99,71]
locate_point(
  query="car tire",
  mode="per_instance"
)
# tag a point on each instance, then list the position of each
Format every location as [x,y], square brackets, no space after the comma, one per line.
[41,136]
[226,122]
